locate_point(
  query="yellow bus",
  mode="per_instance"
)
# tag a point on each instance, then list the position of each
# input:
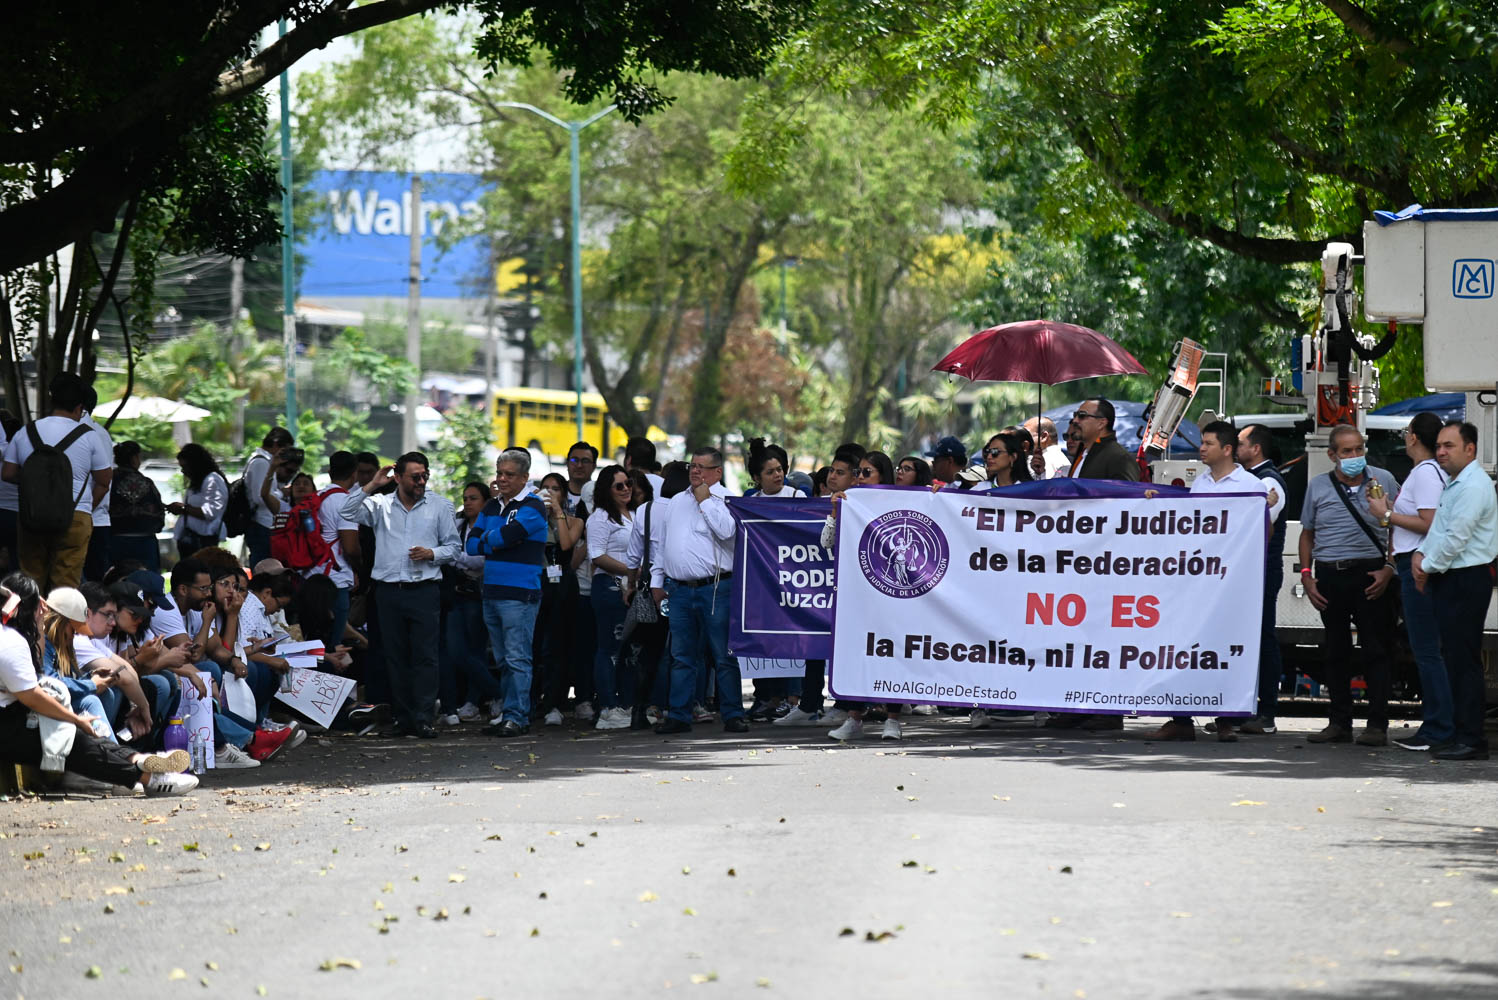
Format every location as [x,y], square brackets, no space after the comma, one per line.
[546,420]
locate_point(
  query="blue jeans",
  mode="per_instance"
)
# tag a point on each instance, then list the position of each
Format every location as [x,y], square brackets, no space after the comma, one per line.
[340,618]
[257,542]
[142,547]
[611,685]
[512,627]
[699,620]
[465,653]
[1436,705]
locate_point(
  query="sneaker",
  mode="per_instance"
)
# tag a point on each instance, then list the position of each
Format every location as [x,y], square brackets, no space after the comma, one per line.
[450,720]
[469,712]
[759,711]
[850,729]
[584,712]
[1333,733]
[170,782]
[613,718]
[298,737]
[553,718]
[1412,741]
[700,713]
[166,762]
[977,719]
[266,744]
[230,757]
[780,711]
[1371,737]
[796,717]
[834,717]
[362,715]
[923,710]
[891,730]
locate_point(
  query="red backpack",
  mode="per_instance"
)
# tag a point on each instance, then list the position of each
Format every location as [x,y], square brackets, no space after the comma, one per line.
[299,543]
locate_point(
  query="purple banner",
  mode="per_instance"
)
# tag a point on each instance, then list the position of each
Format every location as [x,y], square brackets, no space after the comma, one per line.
[782,580]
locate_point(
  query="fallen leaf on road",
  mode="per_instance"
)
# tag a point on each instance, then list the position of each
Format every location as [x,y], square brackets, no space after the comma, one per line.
[689,912]
[1066,869]
[846,932]
[176,974]
[329,964]
[881,936]
[93,972]
[263,846]
[1179,914]
[1321,809]
[648,897]
[910,864]
[709,977]
[762,982]
[1036,956]
[1441,904]
[1249,802]
[494,836]
[116,890]
[455,877]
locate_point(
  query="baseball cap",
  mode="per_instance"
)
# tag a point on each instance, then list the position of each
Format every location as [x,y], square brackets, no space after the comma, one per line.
[69,603]
[949,447]
[151,586]
[268,567]
[127,596]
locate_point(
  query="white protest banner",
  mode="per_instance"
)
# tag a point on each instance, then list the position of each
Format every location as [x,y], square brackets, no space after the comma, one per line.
[1061,596]
[316,694]
[751,667]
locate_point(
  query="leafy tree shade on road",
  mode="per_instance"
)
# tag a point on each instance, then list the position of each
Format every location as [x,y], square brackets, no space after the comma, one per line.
[95,107]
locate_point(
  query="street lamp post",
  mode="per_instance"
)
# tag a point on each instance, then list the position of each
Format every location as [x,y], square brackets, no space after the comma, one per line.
[573,129]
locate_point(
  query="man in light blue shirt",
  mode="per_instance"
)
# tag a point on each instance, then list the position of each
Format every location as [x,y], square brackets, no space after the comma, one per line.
[1455,563]
[415,535]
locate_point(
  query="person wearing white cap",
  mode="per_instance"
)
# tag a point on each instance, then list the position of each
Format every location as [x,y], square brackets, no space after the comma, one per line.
[21,696]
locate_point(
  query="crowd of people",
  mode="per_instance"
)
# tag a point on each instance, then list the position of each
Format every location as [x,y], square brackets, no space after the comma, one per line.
[603,593]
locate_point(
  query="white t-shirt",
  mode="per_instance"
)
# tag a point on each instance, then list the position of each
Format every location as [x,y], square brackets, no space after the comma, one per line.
[605,538]
[17,672]
[88,454]
[330,518]
[10,493]
[1421,491]
[253,624]
[101,512]
[167,622]
[86,651]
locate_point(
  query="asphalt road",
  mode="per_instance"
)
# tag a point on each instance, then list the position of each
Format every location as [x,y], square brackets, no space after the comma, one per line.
[1011,862]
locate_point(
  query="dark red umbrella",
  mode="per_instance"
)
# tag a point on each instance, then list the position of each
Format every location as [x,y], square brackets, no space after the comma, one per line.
[1040,351]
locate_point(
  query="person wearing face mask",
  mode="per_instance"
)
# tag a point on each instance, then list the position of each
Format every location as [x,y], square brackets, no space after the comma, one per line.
[1346,571]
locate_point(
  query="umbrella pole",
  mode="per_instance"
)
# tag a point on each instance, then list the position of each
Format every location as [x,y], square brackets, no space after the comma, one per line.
[1039,407]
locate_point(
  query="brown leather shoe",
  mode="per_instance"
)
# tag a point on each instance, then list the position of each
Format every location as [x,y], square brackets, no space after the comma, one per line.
[1174,732]
[1103,723]
[1331,734]
[1371,737]
[1225,732]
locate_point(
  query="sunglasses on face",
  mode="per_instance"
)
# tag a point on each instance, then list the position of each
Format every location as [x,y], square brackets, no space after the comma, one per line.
[703,468]
[1084,415]
[866,473]
[622,486]
[994,452]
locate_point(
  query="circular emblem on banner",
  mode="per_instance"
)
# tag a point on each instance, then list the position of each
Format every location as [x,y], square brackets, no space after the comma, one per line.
[903,553]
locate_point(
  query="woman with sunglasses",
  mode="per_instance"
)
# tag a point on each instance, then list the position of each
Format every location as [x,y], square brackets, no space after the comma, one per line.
[1410,515]
[1004,460]
[22,695]
[608,545]
[874,469]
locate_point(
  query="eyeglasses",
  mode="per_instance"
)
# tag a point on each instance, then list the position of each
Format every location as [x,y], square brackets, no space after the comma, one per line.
[698,467]
[1084,415]
[864,472]
[994,452]
[585,460]
[108,616]
[206,588]
[907,468]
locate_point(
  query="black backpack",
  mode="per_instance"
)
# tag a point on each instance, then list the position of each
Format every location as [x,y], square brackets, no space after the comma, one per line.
[238,514]
[46,483]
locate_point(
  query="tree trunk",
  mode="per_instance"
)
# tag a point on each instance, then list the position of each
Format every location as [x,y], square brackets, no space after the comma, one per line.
[707,390]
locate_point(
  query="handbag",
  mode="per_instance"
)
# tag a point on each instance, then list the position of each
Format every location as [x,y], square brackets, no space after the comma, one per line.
[642,609]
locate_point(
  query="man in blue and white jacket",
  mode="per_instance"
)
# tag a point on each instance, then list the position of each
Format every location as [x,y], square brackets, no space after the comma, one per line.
[510,534]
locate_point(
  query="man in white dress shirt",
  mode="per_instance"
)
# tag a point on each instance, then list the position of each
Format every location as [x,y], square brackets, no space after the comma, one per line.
[1223,474]
[693,569]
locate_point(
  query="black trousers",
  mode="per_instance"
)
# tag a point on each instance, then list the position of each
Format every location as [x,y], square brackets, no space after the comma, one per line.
[1461,598]
[1347,606]
[409,619]
[91,756]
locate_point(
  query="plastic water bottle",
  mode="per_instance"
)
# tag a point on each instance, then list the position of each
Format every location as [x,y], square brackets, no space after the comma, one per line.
[199,753]
[174,737]
[306,519]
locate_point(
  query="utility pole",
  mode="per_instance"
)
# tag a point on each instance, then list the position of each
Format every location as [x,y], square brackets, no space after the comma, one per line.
[236,342]
[413,320]
[288,290]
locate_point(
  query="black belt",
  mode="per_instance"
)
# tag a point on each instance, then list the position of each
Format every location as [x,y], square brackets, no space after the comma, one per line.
[705,581]
[1372,562]
[407,584]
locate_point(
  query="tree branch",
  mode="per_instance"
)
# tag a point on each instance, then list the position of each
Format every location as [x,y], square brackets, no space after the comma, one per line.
[1270,249]
[316,33]
[1397,190]
[1357,21]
